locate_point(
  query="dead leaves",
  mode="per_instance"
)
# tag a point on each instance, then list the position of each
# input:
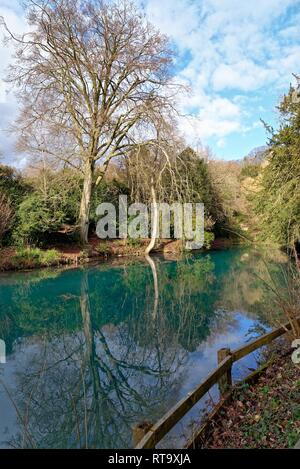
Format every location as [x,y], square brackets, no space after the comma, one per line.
[265,415]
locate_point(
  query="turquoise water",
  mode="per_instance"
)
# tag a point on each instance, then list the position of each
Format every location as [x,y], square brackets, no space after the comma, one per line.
[90,352]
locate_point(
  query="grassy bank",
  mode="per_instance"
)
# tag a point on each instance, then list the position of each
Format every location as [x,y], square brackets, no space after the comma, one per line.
[28,258]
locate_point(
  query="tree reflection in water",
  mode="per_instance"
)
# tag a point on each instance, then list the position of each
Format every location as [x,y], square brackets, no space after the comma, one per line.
[102,349]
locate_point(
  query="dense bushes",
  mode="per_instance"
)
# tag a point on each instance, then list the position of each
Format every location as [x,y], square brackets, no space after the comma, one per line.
[12,190]
[46,202]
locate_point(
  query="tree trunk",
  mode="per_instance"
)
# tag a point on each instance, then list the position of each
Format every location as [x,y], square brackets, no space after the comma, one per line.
[85,205]
[154,228]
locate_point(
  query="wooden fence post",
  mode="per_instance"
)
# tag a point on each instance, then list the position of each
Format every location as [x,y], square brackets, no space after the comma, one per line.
[225,382]
[139,431]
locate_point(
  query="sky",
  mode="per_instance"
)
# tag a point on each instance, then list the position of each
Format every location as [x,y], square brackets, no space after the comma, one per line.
[236,56]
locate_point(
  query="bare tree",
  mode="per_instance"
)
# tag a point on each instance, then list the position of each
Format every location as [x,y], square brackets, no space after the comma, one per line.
[160,172]
[90,75]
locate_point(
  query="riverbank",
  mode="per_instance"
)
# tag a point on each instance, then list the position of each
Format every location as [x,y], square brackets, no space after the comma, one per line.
[14,259]
[262,415]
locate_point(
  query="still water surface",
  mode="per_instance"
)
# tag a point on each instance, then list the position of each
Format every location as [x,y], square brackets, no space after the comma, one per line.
[90,352]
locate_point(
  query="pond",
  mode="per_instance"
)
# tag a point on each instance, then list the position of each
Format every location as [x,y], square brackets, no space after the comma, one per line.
[92,351]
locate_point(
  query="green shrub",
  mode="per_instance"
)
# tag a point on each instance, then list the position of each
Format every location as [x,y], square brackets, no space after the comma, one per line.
[35,257]
[49,257]
[13,185]
[27,254]
[13,189]
[209,238]
[35,218]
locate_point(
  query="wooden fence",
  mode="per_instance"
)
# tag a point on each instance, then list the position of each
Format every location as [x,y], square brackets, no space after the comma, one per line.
[147,436]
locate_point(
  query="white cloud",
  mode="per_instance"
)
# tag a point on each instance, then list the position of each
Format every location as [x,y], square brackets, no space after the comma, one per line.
[14,18]
[217,118]
[244,75]
[229,46]
[15,23]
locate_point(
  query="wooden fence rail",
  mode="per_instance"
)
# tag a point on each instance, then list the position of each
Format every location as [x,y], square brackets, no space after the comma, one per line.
[221,375]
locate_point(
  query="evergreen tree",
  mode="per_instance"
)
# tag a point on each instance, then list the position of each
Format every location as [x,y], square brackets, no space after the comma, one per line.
[278,201]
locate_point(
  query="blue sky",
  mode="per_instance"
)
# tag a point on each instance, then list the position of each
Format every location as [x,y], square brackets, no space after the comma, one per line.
[236,56]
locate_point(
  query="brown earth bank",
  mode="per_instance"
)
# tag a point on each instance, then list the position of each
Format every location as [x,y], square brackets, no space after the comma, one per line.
[74,254]
[261,415]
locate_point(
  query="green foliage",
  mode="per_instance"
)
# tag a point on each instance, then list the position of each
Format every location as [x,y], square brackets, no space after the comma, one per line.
[208,239]
[198,187]
[49,199]
[55,201]
[13,185]
[13,188]
[6,215]
[278,201]
[36,217]
[107,191]
[65,189]
[35,257]
[62,190]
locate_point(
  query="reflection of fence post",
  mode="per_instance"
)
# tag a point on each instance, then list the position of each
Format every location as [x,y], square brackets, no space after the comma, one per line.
[225,382]
[2,351]
[139,431]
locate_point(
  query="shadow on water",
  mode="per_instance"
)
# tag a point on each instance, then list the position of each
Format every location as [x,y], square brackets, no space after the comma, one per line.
[93,351]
